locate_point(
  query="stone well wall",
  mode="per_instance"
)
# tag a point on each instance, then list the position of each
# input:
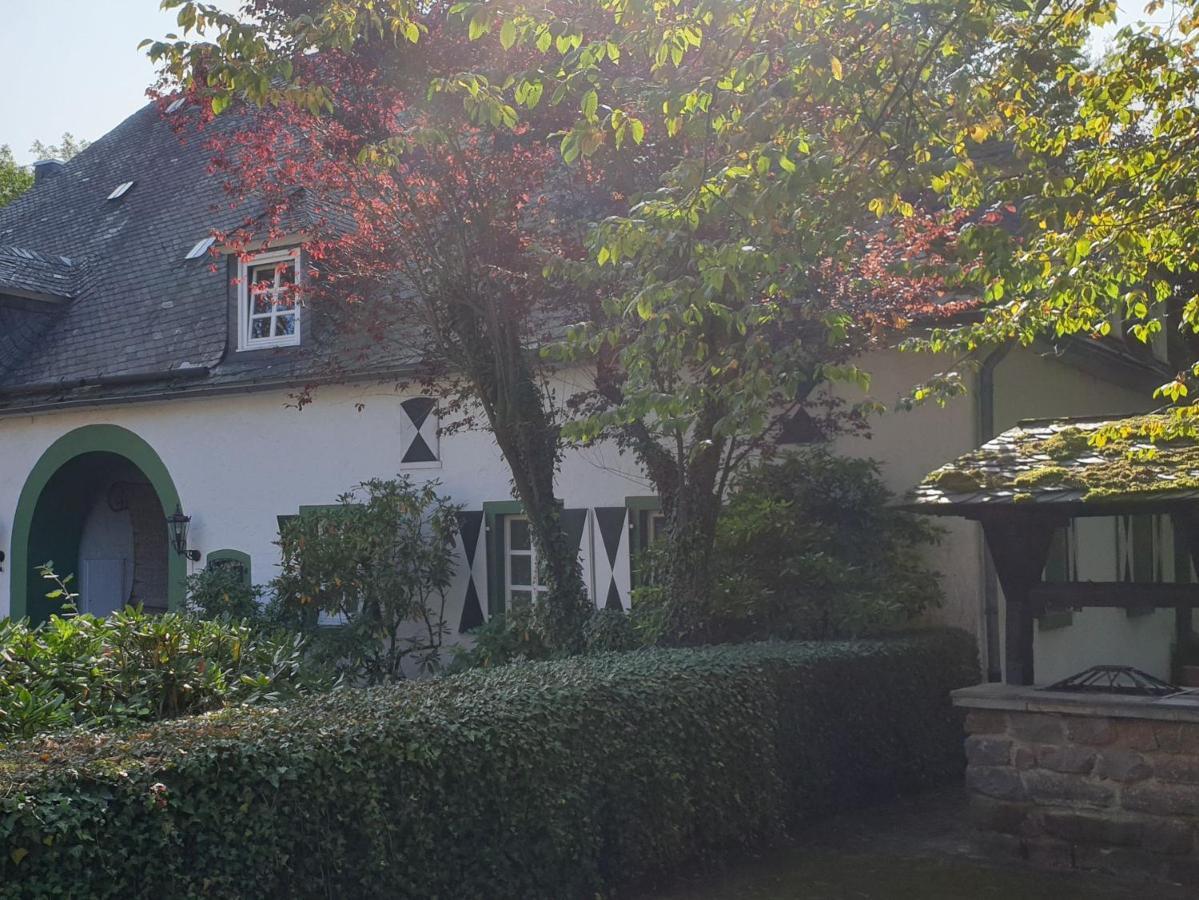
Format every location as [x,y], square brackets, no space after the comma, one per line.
[1109,786]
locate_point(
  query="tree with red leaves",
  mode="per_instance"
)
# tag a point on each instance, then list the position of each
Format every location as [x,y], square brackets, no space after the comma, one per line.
[724,202]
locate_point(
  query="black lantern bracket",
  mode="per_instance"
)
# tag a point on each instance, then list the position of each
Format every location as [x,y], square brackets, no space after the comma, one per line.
[179,524]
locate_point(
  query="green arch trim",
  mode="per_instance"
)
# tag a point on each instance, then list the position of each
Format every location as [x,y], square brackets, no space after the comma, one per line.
[236,556]
[89,439]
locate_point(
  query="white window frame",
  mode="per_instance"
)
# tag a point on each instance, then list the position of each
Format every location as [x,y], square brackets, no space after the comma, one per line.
[536,588]
[245,319]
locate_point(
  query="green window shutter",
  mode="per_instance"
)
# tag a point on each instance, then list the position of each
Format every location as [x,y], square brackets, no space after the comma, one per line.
[494,513]
[232,559]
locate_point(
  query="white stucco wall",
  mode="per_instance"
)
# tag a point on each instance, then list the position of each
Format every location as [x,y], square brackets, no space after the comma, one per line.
[239,461]
[910,444]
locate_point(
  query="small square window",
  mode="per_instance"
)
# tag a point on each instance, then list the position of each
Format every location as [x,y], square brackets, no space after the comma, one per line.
[268,300]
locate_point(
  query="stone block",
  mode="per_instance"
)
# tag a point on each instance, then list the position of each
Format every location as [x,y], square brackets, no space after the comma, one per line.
[1177,737]
[986,721]
[1024,758]
[1065,758]
[1161,799]
[999,782]
[1037,728]
[1094,828]
[1122,765]
[998,815]
[1094,732]
[1137,734]
[1172,836]
[1057,787]
[988,751]
[1176,768]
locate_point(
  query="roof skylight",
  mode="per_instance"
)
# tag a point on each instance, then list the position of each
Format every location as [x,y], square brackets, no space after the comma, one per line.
[201,248]
[176,105]
[120,190]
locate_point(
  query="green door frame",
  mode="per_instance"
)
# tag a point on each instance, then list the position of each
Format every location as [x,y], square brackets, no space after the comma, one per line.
[89,439]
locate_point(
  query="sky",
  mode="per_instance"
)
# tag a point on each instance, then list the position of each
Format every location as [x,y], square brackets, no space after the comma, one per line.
[73,65]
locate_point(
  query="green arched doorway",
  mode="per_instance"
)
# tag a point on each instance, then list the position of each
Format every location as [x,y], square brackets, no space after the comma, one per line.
[53,507]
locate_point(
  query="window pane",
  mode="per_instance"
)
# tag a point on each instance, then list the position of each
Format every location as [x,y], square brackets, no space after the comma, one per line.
[260,328]
[260,300]
[520,598]
[285,324]
[287,272]
[518,535]
[521,568]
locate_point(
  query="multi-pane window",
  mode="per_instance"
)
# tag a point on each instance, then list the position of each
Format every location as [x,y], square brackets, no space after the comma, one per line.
[522,580]
[270,311]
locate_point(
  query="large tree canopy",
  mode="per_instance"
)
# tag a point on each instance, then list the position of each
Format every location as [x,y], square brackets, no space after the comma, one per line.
[725,201]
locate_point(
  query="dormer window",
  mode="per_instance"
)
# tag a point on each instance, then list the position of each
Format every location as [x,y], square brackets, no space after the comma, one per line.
[268,300]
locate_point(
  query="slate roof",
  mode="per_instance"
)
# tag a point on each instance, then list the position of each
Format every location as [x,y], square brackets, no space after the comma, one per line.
[1138,460]
[27,272]
[137,316]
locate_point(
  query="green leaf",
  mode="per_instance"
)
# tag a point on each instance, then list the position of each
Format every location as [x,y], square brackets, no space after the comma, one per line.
[590,104]
[507,34]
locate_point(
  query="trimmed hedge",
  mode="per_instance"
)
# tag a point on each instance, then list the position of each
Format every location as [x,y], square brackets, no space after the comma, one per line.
[562,779]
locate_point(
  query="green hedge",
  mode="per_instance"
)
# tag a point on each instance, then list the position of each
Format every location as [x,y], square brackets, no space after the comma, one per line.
[561,779]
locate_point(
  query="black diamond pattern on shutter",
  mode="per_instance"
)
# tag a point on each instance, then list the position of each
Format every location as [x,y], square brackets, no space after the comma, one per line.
[470,522]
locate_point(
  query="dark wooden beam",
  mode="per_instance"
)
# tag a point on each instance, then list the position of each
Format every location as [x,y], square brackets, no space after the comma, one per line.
[1185,520]
[1019,543]
[1119,594]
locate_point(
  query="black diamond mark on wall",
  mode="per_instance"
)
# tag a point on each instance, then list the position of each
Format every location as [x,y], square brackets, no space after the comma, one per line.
[418,409]
[419,451]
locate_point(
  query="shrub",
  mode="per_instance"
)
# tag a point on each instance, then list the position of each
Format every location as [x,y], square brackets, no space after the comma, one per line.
[131,667]
[809,547]
[220,592]
[560,779]
[378,565]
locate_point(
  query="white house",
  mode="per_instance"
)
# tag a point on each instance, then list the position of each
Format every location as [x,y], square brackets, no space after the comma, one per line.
[138,379]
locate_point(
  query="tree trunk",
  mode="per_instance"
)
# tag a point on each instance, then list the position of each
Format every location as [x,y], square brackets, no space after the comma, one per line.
[503,379]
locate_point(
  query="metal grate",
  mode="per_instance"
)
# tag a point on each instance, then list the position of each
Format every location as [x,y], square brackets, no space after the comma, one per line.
[1114,680]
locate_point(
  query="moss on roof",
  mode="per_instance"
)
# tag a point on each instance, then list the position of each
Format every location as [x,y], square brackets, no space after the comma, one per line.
[1136,457]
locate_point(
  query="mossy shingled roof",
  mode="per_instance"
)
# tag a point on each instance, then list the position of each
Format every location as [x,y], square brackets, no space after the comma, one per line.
[1094,462]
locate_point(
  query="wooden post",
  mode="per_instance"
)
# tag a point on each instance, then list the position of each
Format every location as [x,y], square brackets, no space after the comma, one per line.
[1186,527]
[1019,542]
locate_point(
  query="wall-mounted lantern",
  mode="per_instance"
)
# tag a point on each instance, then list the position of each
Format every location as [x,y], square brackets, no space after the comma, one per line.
[178,524]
